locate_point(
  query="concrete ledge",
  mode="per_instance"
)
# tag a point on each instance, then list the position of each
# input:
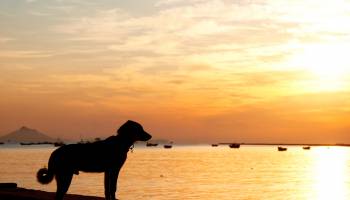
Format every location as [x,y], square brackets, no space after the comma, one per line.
[14,193]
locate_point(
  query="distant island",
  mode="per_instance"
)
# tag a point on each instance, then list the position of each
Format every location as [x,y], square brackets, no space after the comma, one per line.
[26,135]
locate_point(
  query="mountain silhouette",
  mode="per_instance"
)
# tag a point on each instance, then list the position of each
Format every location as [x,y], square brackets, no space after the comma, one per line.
[25,134]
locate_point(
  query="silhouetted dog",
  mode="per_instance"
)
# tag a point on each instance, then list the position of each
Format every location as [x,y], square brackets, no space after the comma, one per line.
[106,156]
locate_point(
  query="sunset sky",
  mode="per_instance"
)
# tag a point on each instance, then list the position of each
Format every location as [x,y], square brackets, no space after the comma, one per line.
[187,70]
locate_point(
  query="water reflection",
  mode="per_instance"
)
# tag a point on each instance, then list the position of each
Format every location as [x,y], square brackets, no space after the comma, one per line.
[330,173]
[204,173]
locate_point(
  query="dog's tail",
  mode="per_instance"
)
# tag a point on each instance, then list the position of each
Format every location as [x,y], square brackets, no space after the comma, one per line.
[44,175]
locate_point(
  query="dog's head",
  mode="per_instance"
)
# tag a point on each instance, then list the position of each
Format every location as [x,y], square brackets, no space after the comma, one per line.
[133,130]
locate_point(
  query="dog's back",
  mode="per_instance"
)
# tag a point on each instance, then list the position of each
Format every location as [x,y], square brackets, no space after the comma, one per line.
[91,157]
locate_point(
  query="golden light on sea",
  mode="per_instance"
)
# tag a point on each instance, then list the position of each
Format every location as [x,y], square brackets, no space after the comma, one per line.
[330,173]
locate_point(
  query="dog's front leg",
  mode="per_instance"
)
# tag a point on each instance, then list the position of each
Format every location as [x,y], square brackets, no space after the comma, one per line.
[111,177]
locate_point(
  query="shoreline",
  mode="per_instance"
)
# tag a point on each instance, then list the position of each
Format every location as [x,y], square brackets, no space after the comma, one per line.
[195,144]
[286,144]
[17,193]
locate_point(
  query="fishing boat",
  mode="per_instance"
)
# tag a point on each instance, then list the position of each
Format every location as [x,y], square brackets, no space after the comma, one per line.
[282,149]
[168,146]
[149,144]
[234,145]
[307,148]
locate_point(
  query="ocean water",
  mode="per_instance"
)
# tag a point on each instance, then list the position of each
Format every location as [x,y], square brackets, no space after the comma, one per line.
[202,172]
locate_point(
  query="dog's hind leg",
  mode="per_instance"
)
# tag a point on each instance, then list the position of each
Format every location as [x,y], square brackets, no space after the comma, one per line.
[63,182]
[107,186]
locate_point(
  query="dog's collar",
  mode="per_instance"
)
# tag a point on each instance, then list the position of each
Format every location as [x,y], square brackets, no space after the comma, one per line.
[132,148]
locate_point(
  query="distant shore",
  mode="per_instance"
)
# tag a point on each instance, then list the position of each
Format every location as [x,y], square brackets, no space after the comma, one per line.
[28,194]
[287,144]
[220,143]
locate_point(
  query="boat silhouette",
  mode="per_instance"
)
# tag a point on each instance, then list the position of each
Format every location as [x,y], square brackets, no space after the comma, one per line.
[149,144]
[168,146]
[234,145]
[282,149]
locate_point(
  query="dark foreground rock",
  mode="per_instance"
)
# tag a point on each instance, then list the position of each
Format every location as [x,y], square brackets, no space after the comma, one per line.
[11,193]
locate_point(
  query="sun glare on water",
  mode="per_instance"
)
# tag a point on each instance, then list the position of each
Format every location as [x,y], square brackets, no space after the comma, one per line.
[330,173]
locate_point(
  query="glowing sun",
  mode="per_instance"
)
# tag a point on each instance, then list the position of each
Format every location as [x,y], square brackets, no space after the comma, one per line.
[328,65]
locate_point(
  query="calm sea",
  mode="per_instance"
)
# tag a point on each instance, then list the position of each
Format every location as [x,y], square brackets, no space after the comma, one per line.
[202,172]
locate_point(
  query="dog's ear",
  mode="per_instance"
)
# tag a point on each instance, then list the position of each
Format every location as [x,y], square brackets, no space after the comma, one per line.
[123,128]
[126,127]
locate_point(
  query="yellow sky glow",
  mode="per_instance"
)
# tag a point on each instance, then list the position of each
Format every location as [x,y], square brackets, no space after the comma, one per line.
[190,71]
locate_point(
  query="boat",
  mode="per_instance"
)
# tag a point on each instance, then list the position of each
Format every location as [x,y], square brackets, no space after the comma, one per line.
[1,143]
[307,148]
[282,149]
[234,145]
[214,145]
[169,145]
[149,144]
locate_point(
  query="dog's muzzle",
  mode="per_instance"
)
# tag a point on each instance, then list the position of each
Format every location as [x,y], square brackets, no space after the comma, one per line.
[145,136]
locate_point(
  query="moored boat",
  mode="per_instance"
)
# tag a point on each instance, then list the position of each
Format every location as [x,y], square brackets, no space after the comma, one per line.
[307,148]
[149,144]
[234,145]
[214,145]
[169,145]
[282,149]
